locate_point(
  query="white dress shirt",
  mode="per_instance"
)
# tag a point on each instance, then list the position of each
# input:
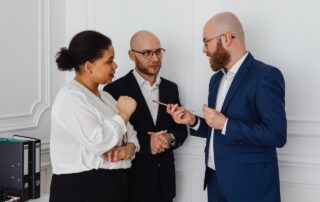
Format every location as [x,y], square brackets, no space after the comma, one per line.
[224,86]
[83,128]
[149,93]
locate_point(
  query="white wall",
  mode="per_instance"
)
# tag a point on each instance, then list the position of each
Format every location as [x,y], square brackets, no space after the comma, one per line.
[280,32]
[31,33]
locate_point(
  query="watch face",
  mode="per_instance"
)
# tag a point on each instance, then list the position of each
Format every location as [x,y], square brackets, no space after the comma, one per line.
[173,141]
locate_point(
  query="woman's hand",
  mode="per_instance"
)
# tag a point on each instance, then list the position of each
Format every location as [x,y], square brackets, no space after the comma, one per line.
[126,106]
[130,148]
[120,153]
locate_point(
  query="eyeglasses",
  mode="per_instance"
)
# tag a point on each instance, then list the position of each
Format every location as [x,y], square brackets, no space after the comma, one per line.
[206,41]
[147,54]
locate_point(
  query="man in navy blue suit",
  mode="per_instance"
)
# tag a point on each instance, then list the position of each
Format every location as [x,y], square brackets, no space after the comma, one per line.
[244,121]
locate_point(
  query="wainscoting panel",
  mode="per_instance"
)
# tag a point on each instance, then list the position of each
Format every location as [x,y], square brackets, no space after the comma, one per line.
[190,171]
[186,192]
[24,75]
[46,168]
[299,162]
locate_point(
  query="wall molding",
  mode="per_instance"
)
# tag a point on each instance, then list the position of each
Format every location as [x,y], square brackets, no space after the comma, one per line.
[300,184]
[192,177]
[304,127]
[30,119]
[45,147]
[299,160]
[23,114]
[46,168]
[295,159]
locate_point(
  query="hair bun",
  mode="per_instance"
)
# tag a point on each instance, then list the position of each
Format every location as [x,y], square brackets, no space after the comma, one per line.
[64,60]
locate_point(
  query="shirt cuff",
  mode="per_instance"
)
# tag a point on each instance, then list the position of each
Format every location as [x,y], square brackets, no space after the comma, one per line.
[224,128]
[121,123]
[136,143]
[136,150]
[196,127]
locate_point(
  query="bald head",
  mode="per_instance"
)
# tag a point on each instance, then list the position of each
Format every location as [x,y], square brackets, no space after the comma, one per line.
[143,40]
[225,22]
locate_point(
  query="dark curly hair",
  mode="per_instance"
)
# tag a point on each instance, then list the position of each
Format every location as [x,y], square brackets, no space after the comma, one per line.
[84,46]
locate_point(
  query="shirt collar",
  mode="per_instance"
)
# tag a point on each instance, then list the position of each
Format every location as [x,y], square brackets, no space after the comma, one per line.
[141,81]
[234,69]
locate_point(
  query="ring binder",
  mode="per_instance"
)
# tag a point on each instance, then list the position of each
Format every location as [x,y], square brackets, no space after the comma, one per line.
[34,164]
[14,167]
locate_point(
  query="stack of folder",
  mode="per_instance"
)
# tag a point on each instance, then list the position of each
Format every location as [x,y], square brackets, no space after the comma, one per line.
[20,167]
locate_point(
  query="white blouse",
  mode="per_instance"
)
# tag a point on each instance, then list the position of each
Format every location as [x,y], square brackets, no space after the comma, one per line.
[83,128]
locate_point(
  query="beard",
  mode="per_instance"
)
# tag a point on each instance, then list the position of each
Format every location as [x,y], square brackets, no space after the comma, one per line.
[220,58]
[148,71]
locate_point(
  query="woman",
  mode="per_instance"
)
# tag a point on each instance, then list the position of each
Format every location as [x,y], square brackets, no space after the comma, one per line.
[92,143]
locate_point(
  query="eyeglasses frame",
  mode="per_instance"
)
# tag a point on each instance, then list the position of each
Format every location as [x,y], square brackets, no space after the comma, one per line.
[150,52]
[206,41]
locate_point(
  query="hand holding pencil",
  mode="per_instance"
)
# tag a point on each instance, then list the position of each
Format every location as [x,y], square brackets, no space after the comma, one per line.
[160,103]
[179,114]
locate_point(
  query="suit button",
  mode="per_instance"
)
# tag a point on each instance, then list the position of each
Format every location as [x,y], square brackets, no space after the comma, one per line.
[159,165]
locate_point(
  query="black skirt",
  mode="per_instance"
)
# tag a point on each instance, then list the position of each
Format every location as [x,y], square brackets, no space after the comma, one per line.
[90,186]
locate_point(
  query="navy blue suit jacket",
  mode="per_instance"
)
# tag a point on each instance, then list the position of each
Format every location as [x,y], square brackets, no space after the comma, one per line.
[245,157]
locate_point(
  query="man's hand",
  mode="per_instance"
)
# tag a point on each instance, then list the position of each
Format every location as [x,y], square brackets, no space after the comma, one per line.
[166,139]
[159,142]
[180,115]
[213,118]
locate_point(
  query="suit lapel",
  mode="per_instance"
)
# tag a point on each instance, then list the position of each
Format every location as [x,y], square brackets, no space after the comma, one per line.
[142,108]
[240,75]
[213,89]
[213,92]
[161,109]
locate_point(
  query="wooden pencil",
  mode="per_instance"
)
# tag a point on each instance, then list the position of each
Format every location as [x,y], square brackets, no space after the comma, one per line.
[160,103]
